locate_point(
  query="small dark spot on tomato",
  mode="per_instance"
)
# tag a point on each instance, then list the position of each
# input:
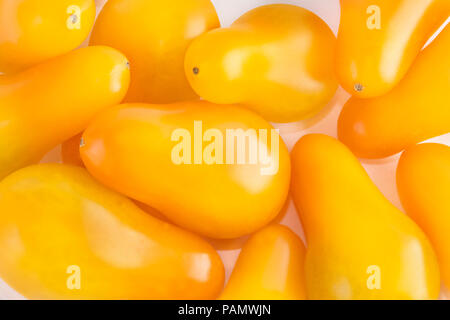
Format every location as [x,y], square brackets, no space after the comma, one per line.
[359,87]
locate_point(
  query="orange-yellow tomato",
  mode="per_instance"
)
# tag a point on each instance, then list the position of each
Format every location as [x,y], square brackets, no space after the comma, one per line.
[154,35]
[65,236]
[359,245]
[221,171]
[269,267]
[276,60]
[70,151]
[378,41]
[49,103]
[416,110]
[423,181]
[70,154]
[32,31]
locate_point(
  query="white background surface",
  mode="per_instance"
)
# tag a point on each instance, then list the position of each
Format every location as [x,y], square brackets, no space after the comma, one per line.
[382,172]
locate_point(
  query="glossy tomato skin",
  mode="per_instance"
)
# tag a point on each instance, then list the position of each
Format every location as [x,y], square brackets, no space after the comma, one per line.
[416,110]
[270,267]
[49,103]
[70,151]
[70,154]
[154,35]
[423,182]
[276,60]
[359,245]
[379,40]
[99,244]
[131,149]
[33,31]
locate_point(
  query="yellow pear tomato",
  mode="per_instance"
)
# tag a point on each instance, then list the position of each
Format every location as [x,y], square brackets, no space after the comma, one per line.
[221,171]
[276,60]
[359,245]
[378,41]
[51,102]
[65,236]
[32,31]
[269,267]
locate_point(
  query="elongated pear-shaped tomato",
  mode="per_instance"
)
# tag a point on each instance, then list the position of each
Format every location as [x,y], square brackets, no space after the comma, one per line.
[416,110]
[221,171]
[378,41]
[49,103]
[32,31]
[154,35]
[269,267]
[423,181]
[65,236]
[276,60]
[359,245]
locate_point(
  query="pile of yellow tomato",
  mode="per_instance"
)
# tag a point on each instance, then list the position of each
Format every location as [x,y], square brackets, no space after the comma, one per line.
[121,219]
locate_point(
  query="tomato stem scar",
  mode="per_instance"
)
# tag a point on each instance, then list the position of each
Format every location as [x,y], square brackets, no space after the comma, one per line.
[359,87]
[74,18]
